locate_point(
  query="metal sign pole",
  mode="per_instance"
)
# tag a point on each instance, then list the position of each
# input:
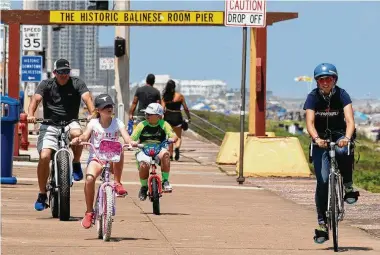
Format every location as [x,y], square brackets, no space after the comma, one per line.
[107,81]
[241,178]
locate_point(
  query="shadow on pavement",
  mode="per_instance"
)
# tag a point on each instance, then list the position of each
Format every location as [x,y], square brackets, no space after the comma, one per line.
[149,213]
[345,249]
[118,239]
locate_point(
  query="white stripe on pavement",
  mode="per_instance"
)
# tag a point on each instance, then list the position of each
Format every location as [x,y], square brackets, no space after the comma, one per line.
[202,186]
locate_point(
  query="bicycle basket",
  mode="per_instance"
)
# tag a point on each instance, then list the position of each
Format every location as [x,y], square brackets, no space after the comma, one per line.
[110,150]
[152,150]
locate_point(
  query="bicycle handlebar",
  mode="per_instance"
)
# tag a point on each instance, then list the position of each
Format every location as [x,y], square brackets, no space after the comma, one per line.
[61,123]
[95,151]
[332,144]
[140,145]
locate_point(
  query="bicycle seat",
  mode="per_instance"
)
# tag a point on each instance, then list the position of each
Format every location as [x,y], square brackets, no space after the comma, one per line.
[110,150]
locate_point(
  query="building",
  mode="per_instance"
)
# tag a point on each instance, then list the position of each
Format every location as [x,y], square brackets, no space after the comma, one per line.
[106,52]
[205,88]
[198,88]
[77,44]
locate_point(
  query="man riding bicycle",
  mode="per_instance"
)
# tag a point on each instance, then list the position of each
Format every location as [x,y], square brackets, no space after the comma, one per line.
[144,96]
[61,97]
[153,130]
[329,112]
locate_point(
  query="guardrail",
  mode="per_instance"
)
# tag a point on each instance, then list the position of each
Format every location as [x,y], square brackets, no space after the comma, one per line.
[202,126]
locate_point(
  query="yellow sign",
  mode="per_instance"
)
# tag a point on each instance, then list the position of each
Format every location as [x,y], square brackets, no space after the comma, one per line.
[213,18]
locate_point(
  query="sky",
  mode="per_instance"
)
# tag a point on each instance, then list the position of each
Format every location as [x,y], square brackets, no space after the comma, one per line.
[344,33]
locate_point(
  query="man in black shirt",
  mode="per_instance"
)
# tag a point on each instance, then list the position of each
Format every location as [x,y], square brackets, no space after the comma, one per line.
[61,97]
[144,96]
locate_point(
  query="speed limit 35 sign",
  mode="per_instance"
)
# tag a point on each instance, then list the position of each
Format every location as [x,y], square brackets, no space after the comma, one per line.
[31,38]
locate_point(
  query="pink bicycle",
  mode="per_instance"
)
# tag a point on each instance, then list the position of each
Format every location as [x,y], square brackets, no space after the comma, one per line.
[105,208]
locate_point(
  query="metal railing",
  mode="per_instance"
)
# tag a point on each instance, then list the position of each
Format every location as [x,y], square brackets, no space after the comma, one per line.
[208,124]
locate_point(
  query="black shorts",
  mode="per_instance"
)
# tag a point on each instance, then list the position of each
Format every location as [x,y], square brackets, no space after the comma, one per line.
[174,118]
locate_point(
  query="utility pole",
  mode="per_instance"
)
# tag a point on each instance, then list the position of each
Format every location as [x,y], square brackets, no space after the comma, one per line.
[122,63]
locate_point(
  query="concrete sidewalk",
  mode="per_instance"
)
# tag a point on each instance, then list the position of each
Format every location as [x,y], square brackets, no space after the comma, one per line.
[207,213]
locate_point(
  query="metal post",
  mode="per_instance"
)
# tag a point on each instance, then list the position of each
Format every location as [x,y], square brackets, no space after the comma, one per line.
[107,81]
[241,178]
[5,52]
[49,52]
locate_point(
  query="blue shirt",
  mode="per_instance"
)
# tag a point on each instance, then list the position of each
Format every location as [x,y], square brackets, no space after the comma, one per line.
[328,114]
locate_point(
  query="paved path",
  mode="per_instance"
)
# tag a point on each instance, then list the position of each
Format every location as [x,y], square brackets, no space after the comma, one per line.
[207,213]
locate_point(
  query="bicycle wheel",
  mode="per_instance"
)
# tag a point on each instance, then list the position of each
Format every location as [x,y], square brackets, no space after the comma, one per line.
[334,210]
[108,203]
[155,197]
[99,220]
[63,168]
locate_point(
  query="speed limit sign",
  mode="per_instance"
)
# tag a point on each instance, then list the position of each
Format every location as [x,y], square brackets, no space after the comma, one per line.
[31,38]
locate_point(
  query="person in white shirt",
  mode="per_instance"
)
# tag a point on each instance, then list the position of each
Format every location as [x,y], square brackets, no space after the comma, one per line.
[103,127]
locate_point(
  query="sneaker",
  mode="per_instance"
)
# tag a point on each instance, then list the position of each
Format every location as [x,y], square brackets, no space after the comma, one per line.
[167,187]
[176,156]
[143,193]
[120,191]
[321,234]
[87,220]
[351,195]
[41,202]
[77,171]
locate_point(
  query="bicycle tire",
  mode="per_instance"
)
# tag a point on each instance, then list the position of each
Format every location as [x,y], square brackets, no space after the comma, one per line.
[108,203]
[334,211]
[53,195]
[155,197]
[98,218]
[63,168]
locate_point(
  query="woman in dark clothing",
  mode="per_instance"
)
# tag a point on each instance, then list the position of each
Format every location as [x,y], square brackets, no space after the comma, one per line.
[172,102]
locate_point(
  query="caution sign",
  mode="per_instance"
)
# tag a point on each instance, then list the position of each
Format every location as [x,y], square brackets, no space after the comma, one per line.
[245,13]
[139,17]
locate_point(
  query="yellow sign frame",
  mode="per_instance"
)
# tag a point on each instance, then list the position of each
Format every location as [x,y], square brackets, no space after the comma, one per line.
[153,18]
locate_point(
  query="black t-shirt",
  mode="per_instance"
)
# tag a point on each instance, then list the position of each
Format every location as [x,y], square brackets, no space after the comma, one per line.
[146,95]
[334,113]
[61,102]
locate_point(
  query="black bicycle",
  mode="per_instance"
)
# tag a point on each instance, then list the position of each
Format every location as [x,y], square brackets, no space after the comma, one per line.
[60,178]
[335,205]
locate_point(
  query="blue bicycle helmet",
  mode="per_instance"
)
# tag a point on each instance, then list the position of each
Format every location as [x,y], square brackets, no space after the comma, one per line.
[325,69]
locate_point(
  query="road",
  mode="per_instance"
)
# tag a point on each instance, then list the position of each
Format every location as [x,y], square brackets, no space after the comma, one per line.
[207,213]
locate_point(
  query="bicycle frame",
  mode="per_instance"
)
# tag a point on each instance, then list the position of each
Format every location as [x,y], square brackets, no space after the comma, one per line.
[335,172]
[152,175]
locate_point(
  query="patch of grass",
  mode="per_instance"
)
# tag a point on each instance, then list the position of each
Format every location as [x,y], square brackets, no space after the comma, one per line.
[367,170]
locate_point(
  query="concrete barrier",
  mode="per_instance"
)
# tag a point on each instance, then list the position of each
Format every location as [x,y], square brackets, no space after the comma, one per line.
[269,156]
[230,148]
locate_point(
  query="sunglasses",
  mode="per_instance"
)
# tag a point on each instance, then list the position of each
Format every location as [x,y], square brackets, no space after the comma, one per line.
[65,71]
[326,79]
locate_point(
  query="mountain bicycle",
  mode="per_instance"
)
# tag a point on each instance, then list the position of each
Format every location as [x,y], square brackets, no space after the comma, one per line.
[61,170]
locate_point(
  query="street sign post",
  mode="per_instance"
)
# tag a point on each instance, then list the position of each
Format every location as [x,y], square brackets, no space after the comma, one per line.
[31,68]
[31,38]
[107,64]
[247,13]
